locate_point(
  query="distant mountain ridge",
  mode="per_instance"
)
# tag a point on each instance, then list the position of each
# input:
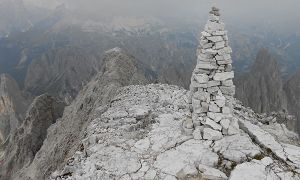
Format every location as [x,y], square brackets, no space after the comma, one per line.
[61,72]
[292,90]
[13,106]
[262,87]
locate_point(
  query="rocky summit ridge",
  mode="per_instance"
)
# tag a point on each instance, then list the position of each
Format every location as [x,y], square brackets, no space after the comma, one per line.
[150,132]
[118,128]
[146,133]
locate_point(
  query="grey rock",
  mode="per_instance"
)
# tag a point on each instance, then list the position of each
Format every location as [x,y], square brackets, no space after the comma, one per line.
[27,140]
[119,70]
[211,134]
[13,106]
[262,88]
[62,72]
[223,76]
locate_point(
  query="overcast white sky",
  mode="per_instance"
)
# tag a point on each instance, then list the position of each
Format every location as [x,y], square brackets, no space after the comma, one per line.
[273,11]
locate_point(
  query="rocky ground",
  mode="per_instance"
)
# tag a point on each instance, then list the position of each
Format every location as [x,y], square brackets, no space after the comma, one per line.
[147,133]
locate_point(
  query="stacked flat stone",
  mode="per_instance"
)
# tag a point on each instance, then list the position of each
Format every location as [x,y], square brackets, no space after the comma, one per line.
[212,87]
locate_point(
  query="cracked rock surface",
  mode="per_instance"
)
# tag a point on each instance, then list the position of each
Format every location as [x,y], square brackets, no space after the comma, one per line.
[146,134]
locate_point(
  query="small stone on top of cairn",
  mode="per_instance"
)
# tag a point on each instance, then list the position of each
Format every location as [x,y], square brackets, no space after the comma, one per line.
[215,11]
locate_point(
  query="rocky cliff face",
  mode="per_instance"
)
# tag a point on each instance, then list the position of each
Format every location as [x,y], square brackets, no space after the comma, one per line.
[64,137]
[292,90]
[13,106]
[62,72]
[28,138]
[262,88]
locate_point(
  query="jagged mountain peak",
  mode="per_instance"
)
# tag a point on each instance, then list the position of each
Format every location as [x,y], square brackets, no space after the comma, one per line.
[13,106]
[61,72]
[119,69]
[265,61]
[26,141]
[292,90]
[262,88]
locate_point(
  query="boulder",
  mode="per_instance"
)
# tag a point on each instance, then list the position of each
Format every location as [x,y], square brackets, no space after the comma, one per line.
[210,134]
[223,76]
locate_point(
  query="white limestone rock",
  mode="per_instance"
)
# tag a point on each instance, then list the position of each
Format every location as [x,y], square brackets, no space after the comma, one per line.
[138,112]
[214,26]
[233,127]
[293,154]
[205,34]
[213,83]
[209,51]
[197,133]
[223,76]
[206,65]
[219,33]
[214,108]
[227,83]
[211,173]
[142,145]
[216,39]
[254,170]
[150,175]
[202,96]
[213,17]
[226,110]
[237,148]
[201,78]
[212,124]
[210,134]
[220,102]
[220,45]
[213,89]
[263,138]
[230,91]
[173,161]
[188,123]
[207,46]
[215,116]
[225,62]
[225,123]
[188,171]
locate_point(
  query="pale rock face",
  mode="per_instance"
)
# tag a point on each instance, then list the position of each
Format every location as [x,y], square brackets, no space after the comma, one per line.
[223,76]
[254,170]
[233,127]
[210,134]
[201,78]
[214,108]
[264,138]
[157,146]
[211,173]
[197,133]
[225,123]
[237,148]
[213,124]
[293,154]
[215,116]
[175,160]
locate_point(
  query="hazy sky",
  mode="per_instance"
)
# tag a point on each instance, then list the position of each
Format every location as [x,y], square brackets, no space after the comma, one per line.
[270,11]
[188,7]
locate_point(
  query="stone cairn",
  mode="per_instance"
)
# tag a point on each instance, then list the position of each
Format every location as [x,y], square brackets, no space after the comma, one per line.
[212,88]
